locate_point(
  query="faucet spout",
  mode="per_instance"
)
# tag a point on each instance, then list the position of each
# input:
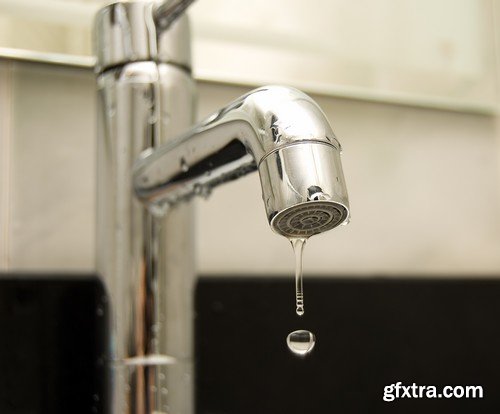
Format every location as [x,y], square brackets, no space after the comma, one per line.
[279,131]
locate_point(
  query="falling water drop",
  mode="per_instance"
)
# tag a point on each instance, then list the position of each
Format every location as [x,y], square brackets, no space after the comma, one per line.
[298,248]
[301,342]
[184,165]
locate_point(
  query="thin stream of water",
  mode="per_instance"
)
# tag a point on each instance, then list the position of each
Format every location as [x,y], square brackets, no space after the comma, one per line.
[298,248]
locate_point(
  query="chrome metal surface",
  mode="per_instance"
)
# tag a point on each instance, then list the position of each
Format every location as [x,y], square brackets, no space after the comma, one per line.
[304,190]
[145,257]
[127,32]
[278,130]
[142,104]
[146,262]
[169,11]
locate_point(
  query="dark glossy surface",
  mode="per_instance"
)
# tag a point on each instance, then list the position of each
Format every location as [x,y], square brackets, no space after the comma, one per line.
[369,333]
[52,345]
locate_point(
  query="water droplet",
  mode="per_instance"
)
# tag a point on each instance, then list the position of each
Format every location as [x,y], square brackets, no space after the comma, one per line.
[158,210]
[202,190]
[164,391]
[154,343]
[111,111]
[153,388]
[101,84]
[148,95]
[161,376]
[206,191]
[346,221]
[165,117]
[153,118]
[96,397]
[184,165]
[99,311]
[301,342]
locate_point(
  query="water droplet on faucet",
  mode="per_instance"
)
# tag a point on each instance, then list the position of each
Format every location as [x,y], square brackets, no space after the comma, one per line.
[184,165]
[153,118]
[203,191]
[101,84]
[158,210]
[346,221]
[165,117]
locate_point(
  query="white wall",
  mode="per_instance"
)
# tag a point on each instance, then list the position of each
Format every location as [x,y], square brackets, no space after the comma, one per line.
[424,187]
[51,177]
[443,52]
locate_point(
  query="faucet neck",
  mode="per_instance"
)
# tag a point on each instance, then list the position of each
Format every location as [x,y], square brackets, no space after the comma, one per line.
[278,130]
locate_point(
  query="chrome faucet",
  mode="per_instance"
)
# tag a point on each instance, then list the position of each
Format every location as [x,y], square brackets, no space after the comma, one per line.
[149,169]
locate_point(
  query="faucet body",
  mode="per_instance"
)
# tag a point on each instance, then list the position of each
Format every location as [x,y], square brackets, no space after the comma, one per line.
[150,161]
[146,263]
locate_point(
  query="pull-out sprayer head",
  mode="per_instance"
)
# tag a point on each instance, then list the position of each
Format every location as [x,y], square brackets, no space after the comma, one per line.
[279,131]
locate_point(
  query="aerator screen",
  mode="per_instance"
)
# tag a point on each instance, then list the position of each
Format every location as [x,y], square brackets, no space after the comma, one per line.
[306,219]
